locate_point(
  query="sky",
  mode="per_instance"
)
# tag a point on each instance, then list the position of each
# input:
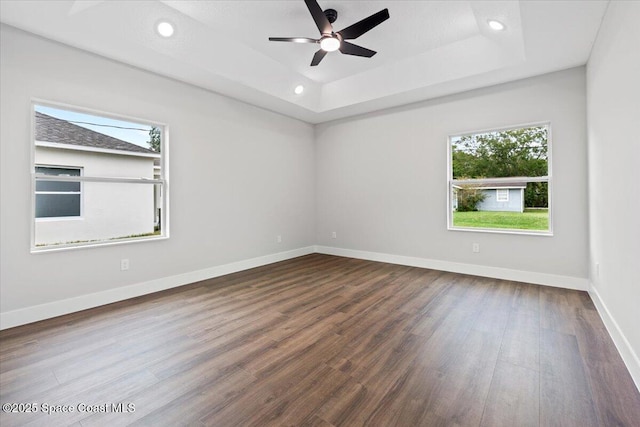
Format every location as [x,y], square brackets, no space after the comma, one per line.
[139,135]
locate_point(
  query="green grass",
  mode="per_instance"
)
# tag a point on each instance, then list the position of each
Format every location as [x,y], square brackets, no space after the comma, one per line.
[530,219]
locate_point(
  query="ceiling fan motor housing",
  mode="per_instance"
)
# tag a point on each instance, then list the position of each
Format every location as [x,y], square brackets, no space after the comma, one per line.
[331,15]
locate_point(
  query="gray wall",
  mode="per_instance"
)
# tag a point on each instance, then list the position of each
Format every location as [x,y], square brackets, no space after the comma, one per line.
[239,175]
[613,89]
[382,177]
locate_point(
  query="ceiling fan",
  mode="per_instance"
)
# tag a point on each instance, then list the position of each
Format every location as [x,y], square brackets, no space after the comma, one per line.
[331,41]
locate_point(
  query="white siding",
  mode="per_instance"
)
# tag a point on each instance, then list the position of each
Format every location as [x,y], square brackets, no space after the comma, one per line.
[515,202]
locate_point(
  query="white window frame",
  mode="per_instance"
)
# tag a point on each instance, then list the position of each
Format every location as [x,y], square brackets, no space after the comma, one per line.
[548,179]
[163,181]
[505,194]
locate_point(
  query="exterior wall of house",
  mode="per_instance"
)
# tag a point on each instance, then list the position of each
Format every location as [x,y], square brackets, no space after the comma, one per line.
[514,204]
[454,199]
[108,210]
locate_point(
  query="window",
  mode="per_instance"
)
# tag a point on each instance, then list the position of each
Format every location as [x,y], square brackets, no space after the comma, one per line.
[502,195]
[97,178]
[55,199]
[500,180]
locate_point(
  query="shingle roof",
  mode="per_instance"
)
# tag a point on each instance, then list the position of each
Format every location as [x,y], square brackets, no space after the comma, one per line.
[52,129]
[507,182]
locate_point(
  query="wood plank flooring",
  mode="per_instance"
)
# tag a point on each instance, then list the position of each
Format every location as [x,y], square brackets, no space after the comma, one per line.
[325,341]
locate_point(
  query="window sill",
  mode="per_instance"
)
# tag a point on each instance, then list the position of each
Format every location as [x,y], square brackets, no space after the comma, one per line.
[60,218]
[546,233]
[90,245]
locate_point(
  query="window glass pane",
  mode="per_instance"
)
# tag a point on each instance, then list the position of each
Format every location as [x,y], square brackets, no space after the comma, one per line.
[103,152]
[111,212]
[57,205]
[58,171]
[101,146]
[500,179]
[58,186]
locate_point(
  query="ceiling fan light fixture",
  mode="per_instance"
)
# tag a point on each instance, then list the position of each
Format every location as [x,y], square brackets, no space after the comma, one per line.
[496,25]
[165,29]
[331,40]
[330,44]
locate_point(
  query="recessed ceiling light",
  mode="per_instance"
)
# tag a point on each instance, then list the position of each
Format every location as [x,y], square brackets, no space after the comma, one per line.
[329,44]
[299,89]
[496,25]
[165,29]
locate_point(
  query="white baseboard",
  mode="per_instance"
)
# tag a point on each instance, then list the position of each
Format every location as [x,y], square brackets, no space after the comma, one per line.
[554,280]
[630,358]
[58,308]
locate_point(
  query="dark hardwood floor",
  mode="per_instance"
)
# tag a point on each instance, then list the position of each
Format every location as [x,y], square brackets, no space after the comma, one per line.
[325,341]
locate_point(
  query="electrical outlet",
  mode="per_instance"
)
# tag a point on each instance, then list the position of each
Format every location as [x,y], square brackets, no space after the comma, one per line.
[475,248]
[124,264]
[334,235]
[279,238]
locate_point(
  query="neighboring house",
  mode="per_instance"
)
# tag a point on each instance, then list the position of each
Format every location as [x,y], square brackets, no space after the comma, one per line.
[86,211]
[501,194]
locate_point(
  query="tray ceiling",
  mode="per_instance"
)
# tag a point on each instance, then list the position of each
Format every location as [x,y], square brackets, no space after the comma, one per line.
[426,49]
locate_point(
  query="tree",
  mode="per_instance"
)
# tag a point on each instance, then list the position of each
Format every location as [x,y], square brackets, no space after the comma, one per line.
[155,139]
[468,198]
[514,152]
[536,195]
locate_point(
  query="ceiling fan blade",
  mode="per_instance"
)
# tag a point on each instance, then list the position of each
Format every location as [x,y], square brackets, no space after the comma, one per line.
[353,49]
[359,28]
[293,39]
[318,57]
[319,17]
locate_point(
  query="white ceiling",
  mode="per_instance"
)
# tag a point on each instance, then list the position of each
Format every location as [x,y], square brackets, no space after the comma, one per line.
[426,49]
